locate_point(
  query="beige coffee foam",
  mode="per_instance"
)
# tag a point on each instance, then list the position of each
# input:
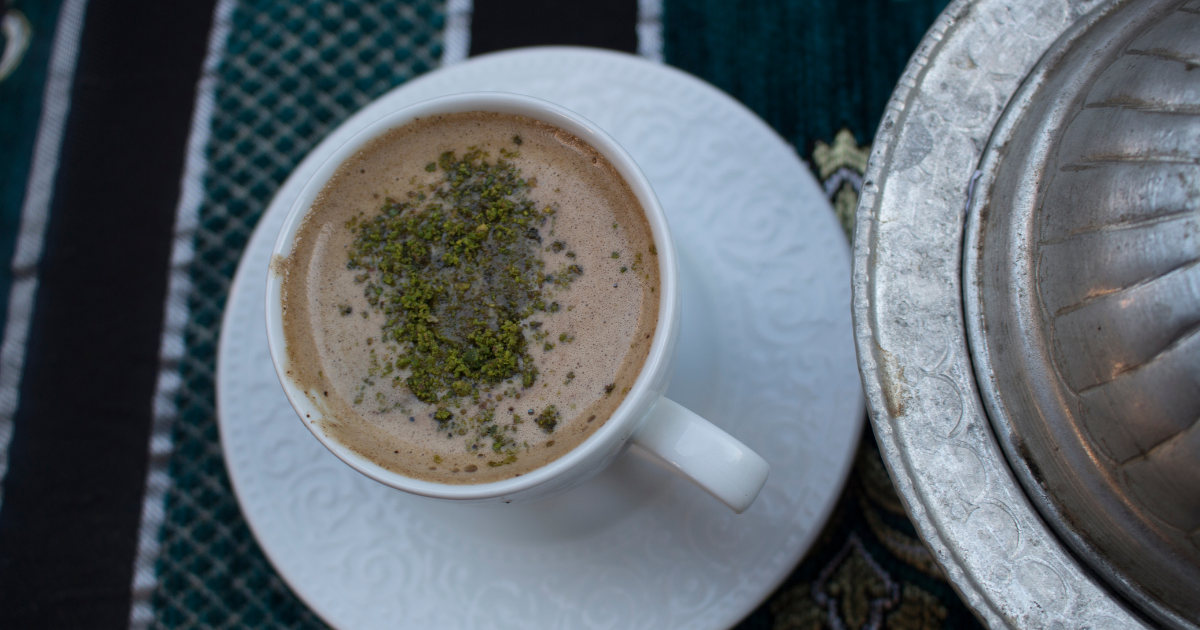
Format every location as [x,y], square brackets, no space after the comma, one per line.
[612,326]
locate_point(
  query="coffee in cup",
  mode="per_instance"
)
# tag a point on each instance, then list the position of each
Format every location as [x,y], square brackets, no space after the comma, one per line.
[472,295]
[465,325]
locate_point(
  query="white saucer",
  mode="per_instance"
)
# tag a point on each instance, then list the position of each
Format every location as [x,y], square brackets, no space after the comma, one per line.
[766,352]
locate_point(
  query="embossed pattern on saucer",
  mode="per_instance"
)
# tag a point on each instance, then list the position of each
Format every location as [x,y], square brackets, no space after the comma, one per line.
[766,352]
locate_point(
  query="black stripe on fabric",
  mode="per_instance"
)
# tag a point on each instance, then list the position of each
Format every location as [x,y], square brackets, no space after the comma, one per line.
[72,496]
[502,24]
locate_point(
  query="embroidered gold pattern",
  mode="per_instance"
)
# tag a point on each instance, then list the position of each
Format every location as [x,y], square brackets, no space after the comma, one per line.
[840,167]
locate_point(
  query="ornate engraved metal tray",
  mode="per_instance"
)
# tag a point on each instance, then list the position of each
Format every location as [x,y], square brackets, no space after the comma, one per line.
[1026,303]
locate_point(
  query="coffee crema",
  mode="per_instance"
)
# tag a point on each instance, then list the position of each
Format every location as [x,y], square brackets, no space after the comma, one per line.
[586,334]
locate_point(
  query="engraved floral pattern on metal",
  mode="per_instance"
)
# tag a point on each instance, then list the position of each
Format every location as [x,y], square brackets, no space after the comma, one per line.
[910,328]
[1082,297]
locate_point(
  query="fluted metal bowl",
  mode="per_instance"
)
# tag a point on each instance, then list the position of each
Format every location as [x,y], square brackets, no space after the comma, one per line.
[1083,298]
[1027,307]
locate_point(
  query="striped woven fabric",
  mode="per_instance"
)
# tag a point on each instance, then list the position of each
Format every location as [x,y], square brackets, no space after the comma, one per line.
[143,141]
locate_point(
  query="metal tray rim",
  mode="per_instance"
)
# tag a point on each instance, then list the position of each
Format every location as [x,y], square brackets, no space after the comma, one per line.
[907,387]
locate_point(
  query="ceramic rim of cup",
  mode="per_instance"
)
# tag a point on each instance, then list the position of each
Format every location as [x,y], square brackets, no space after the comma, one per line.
[642,395]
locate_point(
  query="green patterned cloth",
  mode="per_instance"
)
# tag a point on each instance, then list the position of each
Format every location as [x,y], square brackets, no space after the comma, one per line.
[289,72]
[808,67]
[287,75]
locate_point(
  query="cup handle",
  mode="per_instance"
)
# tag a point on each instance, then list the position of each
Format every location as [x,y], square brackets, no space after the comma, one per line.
[710,457]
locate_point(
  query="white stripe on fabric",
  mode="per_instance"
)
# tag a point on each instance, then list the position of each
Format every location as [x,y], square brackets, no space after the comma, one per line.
[175,313]
[35,211]
[649,30]
[456,42]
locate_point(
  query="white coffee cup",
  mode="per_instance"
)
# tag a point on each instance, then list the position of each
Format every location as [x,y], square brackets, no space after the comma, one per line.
[682,440]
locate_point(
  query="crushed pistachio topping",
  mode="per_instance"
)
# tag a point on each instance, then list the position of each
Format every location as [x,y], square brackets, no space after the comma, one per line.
[456,272]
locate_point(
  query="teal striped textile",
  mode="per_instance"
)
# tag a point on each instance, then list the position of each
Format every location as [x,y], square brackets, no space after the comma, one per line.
[808,67]
[289,72]
[20,110]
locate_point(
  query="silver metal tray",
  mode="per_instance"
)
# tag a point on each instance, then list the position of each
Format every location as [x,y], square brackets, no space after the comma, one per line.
[911,330]
[1082,289]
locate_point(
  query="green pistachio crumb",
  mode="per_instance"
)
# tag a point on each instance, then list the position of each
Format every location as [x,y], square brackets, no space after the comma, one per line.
[548,419]
[507,460]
